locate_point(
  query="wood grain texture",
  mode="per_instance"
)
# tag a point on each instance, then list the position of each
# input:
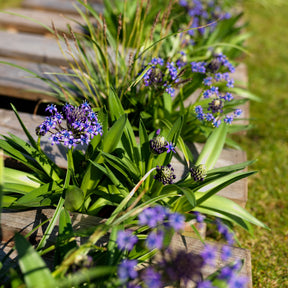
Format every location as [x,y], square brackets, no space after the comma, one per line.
[18,83]
[30,22]
[64,6]
[33,48]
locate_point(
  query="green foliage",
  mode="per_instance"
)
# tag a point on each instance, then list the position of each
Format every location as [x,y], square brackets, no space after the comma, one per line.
[117,174]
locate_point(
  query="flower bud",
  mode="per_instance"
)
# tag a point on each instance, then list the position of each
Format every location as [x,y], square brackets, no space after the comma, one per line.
[199,172]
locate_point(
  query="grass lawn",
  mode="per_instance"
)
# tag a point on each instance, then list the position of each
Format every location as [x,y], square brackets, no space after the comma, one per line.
[9,3]
[268,142]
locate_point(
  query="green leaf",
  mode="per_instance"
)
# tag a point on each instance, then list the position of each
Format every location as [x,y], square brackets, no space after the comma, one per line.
[1,181]
[86,275]
[20,177]
[180,142]
[245,94]
[128,139]
[36,196]
[219,184]
[64,245]
[109,143]
[213,147]
[34,269]
[144,146]
[227,208]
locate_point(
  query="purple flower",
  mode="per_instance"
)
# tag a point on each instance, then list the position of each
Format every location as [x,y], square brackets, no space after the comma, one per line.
[226,273]
[228,96]
[199,217]
[226,252]
[170,91]
[148,217]
[182,267]
[216,106]
[170,147]
[238,282]
[51,108]
[217,123]
[209,254]
[55,139]
[230,83]
[161,213]
[208,81]
[218,77]
[205,284]
[126,270]
[151,278]
[176,221]
[155,240]
[209,117]
[223,229]
[237,112]
[126,240]
[81,125]
[229,119]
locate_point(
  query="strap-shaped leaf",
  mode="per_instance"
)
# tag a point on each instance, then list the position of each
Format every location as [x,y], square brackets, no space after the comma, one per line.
[228,207]
[34,197]
[109,142]
[34,269]
[1,180]
[144,147]
[219,184]
[213,147]
[128,139]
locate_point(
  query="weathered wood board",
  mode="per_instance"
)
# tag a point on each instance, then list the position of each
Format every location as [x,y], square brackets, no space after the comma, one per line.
[24,222]
[64,6]
[33,48]
[18,83]
[33,21]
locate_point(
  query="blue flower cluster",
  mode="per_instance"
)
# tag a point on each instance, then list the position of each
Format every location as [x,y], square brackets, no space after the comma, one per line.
[175,267]
[212,90]
[159,219]
[163,75]
[203,13]
[159,144]
[72,126]
[229,273]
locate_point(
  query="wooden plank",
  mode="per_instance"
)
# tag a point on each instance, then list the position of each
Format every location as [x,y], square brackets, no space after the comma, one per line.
[18,83]
[64,6]
[23,222]
[30,47]
[17,23]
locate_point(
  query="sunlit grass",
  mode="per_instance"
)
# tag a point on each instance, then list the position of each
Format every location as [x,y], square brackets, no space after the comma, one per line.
[9,3]
[267,142]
